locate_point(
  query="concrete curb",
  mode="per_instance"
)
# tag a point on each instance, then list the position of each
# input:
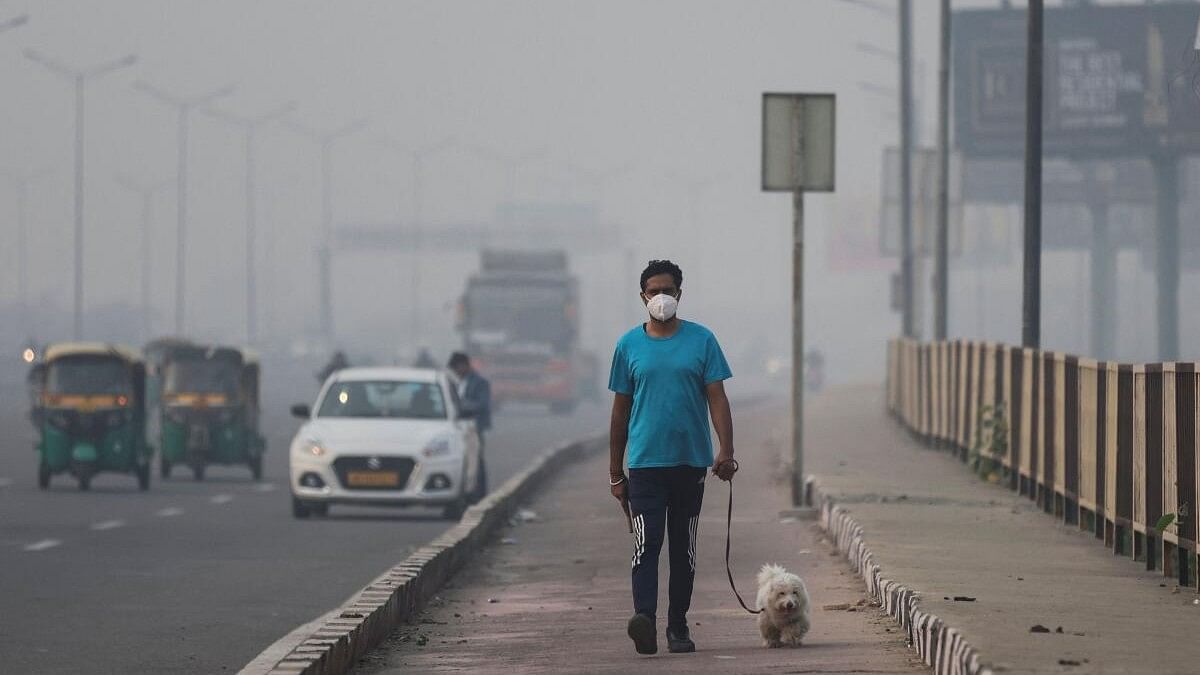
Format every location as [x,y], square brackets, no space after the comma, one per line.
[371,615]
[940,645]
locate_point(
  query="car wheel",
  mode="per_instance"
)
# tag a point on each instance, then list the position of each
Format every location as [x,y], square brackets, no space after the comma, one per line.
[256,469]
[319,509]
[454,510]
[143,476]
[299,509]
[43,475]
[480,490]
[164,469]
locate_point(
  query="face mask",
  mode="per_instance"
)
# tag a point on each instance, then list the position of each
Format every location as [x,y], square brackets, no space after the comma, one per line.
[662,307]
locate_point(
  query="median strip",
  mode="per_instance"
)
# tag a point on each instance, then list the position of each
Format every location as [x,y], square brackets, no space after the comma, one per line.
[43,545]
[107,525]
[334,645]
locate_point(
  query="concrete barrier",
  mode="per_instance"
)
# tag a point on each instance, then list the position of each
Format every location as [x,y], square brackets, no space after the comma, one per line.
[941,646]
[368,617]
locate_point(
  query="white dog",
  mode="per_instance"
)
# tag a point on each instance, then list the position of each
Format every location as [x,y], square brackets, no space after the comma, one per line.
[783,600]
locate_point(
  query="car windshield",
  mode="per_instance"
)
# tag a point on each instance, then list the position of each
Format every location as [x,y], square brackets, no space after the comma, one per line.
[88,375]
[388,399]
[201,376]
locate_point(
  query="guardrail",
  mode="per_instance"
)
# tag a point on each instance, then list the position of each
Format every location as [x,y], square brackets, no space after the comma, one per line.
[1110,447]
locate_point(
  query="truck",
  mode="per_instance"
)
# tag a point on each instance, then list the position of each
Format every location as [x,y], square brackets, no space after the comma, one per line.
[519,321]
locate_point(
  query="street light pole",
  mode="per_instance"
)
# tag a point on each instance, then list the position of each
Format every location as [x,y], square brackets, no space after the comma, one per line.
[325,140]
[79,77]
[250,127]
[942,265]
[1031,314]
[419,154]
[145,193]
[183,107]
[906,246]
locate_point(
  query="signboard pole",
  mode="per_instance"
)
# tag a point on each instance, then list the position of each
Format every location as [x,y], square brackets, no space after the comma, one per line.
[1166,173]
[798,497]
[942,269]
[1031,328]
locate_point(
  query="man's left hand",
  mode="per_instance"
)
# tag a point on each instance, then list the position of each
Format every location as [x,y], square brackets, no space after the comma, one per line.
[724,465]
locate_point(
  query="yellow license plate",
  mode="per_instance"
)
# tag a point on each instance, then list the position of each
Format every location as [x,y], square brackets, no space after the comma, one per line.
[373,479]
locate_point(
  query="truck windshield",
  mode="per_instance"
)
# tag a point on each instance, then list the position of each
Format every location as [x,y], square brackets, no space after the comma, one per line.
[499,315]
[201,376]
[387,399]
[88,375]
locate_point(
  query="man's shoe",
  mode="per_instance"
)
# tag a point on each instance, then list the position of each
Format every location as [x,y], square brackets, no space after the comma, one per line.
[679,641]
[641,630]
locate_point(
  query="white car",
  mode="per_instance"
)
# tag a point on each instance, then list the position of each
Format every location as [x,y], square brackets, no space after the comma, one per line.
[385,436]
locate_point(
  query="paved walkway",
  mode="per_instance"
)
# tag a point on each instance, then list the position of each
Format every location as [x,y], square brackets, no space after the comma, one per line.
[938,530]
[555,597]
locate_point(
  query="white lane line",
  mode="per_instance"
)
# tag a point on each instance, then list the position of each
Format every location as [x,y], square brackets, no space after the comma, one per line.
[107,525]
[43,545]
[169,512]
[5,482]
[221,499]
[261,487]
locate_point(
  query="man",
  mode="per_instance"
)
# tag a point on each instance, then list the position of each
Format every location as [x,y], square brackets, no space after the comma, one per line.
[667,376]
[475,399]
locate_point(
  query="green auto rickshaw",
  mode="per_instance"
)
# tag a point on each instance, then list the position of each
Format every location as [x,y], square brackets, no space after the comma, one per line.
[91,414]
[210,407]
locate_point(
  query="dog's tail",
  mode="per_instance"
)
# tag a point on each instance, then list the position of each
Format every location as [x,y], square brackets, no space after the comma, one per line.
[768,572]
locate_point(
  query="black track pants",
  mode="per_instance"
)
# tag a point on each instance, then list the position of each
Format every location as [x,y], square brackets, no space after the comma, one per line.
[665,499]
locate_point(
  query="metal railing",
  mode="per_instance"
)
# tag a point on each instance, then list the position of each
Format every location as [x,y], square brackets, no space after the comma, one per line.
[1109,447]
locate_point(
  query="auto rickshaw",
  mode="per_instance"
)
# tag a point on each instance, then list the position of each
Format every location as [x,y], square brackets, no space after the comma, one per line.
[210,407]
[91,414]
[157,353]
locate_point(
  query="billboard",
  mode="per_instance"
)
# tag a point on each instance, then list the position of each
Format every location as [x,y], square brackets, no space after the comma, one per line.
[1119,80]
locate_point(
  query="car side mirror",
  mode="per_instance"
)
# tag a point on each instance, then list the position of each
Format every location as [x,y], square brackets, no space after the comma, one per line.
[302,411]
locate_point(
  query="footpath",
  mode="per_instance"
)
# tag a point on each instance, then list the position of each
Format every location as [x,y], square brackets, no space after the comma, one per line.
[937,529]
[552,594]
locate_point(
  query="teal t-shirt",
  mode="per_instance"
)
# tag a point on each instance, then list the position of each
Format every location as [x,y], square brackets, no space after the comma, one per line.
[666,377]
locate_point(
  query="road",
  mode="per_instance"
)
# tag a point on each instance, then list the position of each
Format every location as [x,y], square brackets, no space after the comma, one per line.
[197,577]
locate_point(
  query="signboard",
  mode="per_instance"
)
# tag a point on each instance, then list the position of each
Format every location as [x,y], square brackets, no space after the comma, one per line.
[1118,80]
[798,142]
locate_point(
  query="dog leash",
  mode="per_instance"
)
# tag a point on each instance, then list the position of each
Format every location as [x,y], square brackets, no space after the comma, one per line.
[728,537]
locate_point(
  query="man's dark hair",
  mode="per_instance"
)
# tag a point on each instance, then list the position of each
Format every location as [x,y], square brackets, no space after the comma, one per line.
[459,359]
[657,267]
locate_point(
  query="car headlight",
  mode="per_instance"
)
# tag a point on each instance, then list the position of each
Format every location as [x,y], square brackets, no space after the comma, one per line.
[437,447]
[310,448]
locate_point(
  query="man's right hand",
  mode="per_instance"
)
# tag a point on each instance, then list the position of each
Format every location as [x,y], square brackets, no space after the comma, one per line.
[620,490]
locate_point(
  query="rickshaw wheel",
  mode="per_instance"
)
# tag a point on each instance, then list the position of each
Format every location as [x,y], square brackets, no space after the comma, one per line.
[143,477]
[164,469]
[198,472]
[85,482]
[256,469]
[43,475]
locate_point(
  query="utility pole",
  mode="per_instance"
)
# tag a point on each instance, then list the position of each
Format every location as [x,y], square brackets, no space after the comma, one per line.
[325,140]
[942,265]
[906,244]
[145,192]
[250,127]
[1166,178]
[419,154]
[79,77]
[1031,324]
[183,107]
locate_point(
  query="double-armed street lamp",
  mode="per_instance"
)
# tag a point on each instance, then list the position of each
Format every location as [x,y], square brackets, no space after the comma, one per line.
[250,126]
[183,106]
[79,77]
[145,192]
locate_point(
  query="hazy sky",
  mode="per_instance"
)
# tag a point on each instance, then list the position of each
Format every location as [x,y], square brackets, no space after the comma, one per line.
[646,112]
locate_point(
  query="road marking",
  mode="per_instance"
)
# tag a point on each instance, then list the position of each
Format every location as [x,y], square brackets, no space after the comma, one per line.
[43,545]
[5,482]
[107,525]
[261,487]
[221,499]
[169,512]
